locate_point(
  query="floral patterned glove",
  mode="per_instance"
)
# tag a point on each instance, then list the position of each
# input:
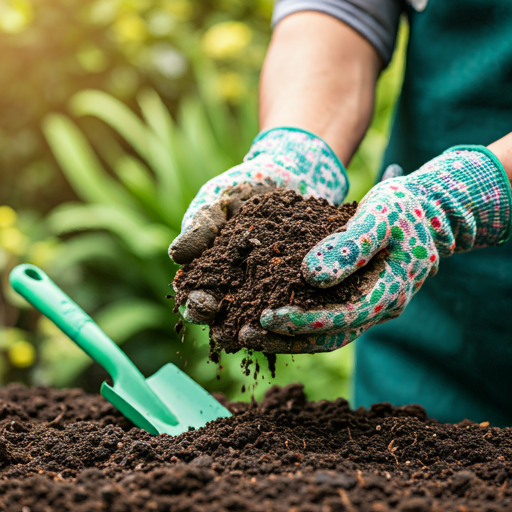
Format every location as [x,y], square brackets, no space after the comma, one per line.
[282,157]
[457,202]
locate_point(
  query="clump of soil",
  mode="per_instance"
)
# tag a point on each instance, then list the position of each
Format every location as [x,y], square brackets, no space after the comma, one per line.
[66,450]
[255,263]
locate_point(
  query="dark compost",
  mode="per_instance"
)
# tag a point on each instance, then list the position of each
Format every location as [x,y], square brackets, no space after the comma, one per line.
[65,450]
[255,263]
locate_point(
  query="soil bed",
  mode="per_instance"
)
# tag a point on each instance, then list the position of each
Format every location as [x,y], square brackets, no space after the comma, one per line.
[255,263]
[65,450]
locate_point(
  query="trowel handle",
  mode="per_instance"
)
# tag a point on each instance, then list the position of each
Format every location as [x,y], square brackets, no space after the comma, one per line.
[38,289]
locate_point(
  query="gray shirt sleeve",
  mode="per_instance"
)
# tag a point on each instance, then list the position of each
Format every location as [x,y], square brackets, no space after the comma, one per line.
[376,20]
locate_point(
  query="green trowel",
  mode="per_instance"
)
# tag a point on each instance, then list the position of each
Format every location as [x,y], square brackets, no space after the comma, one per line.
[168,402]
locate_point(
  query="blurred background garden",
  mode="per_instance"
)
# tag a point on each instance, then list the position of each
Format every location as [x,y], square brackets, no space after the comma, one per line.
[112,114]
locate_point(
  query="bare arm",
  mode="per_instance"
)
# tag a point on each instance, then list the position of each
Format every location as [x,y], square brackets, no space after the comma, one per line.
[320,75]
[503,150]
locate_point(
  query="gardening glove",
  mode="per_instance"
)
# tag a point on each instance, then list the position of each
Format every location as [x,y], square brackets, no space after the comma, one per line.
[281,157]
[457,202]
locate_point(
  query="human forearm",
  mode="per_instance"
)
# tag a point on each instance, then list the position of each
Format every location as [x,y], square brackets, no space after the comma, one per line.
[503,150]
[320,75]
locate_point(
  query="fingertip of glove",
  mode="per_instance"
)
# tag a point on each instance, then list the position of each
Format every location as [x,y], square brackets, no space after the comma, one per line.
[190,245]
[201,306]
[315,273]
[176,252]
[270,320]
[280,320]
[332,260]
[199,235]
[273,343]
[199,309]
[266,318]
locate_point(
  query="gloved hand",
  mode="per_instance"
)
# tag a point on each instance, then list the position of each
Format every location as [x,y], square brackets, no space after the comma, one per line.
[282,157]
[456,202]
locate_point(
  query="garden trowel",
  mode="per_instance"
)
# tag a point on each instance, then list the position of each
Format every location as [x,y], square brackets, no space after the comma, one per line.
[168,402]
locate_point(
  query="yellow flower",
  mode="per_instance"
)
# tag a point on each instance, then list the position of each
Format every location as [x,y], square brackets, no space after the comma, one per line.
[22,354]
[231,86]
[130,28]
[7,216]
[13,240]
[226,40]
[15,15]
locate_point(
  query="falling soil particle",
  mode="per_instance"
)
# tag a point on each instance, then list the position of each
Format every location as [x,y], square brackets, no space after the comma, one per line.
[179,326]
[65,450]
[272,364]
[255,263]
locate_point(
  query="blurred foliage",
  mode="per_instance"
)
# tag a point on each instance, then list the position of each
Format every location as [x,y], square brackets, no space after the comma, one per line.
[128,107]
[51,49]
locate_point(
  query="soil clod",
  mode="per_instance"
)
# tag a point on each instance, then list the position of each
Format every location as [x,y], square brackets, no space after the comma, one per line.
[255,263]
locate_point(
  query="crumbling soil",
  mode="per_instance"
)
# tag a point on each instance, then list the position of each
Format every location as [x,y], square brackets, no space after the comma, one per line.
[255,263]
[65,450]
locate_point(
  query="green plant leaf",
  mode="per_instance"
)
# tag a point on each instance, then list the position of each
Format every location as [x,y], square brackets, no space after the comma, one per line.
[79,163]
[203,148]
[151,148]
[87,247]
[143,239]
[114,113]
[139,181]
[124,318]
[156,115]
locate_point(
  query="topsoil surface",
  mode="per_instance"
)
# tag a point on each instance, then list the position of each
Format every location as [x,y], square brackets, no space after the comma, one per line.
[65,450]
[255,262]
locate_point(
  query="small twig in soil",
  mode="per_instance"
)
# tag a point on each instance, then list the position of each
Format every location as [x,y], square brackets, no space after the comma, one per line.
[412,444]
[58,419]
[349,434]
[392,449]
[346,501]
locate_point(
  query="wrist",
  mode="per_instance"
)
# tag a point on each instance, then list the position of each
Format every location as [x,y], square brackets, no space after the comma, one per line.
[304,155]
[502,149]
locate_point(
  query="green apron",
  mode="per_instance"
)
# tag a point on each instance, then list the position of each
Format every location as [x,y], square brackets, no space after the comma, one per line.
[451,350]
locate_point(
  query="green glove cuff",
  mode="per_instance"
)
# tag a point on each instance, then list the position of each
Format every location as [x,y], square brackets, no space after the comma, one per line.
[305,156]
